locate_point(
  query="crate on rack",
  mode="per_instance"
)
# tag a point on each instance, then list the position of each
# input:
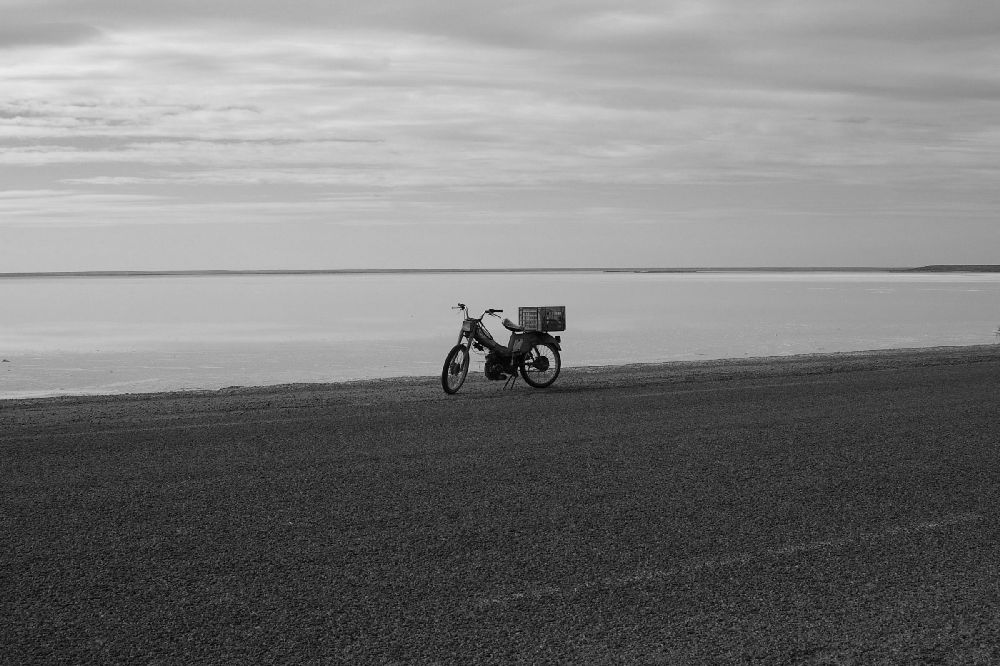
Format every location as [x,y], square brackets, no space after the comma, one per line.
[542,318]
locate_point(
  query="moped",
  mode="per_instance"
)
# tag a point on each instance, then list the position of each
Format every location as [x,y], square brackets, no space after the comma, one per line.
[533,353]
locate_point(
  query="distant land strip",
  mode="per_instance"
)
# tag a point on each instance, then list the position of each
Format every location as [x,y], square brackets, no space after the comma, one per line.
[937,268]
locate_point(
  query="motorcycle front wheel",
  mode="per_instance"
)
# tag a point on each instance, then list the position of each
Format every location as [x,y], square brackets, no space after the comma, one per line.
[456,369]
[541,365]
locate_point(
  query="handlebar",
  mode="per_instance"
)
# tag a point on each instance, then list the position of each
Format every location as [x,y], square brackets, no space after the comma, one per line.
[488,311]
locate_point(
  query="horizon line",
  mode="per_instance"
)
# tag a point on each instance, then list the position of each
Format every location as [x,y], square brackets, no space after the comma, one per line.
[361,271]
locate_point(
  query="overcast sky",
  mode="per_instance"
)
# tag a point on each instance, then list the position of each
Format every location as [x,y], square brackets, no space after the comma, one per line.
[186,134]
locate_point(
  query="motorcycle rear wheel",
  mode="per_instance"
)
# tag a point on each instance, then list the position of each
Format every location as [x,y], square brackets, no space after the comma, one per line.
[455,370]
[541,365]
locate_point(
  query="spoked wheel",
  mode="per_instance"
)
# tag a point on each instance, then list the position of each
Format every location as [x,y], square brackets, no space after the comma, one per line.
[456,369]
[541,365]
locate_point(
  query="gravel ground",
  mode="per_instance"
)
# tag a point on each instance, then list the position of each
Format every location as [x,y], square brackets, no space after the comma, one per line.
[836,509]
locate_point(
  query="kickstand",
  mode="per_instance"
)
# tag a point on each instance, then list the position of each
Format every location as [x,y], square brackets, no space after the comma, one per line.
[510,381]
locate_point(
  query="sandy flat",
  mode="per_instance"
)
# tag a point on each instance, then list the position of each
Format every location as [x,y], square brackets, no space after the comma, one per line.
[812,509]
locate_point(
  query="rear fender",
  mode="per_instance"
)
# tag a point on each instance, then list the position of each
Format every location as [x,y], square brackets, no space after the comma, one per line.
[533,338]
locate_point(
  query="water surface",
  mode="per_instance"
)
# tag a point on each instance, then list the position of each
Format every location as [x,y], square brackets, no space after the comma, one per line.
[82,335]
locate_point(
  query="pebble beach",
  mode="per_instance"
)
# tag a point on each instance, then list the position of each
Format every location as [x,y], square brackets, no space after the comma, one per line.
[831,508]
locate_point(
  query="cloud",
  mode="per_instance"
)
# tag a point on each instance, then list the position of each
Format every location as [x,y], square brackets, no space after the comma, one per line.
[226,100]
[71,207]
[14,35]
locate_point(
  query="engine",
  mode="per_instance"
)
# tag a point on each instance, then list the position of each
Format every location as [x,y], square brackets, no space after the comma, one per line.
[493,368]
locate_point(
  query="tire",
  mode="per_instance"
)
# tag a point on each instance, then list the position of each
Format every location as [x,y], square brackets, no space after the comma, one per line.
[541,365]
[455,370]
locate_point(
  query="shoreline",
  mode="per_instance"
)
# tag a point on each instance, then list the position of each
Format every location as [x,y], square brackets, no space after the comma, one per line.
[630,374]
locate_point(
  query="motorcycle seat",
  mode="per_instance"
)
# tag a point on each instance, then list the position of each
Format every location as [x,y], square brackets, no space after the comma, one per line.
[511,326]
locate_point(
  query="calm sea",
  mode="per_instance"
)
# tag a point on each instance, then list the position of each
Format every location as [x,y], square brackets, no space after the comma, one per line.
[82,335]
